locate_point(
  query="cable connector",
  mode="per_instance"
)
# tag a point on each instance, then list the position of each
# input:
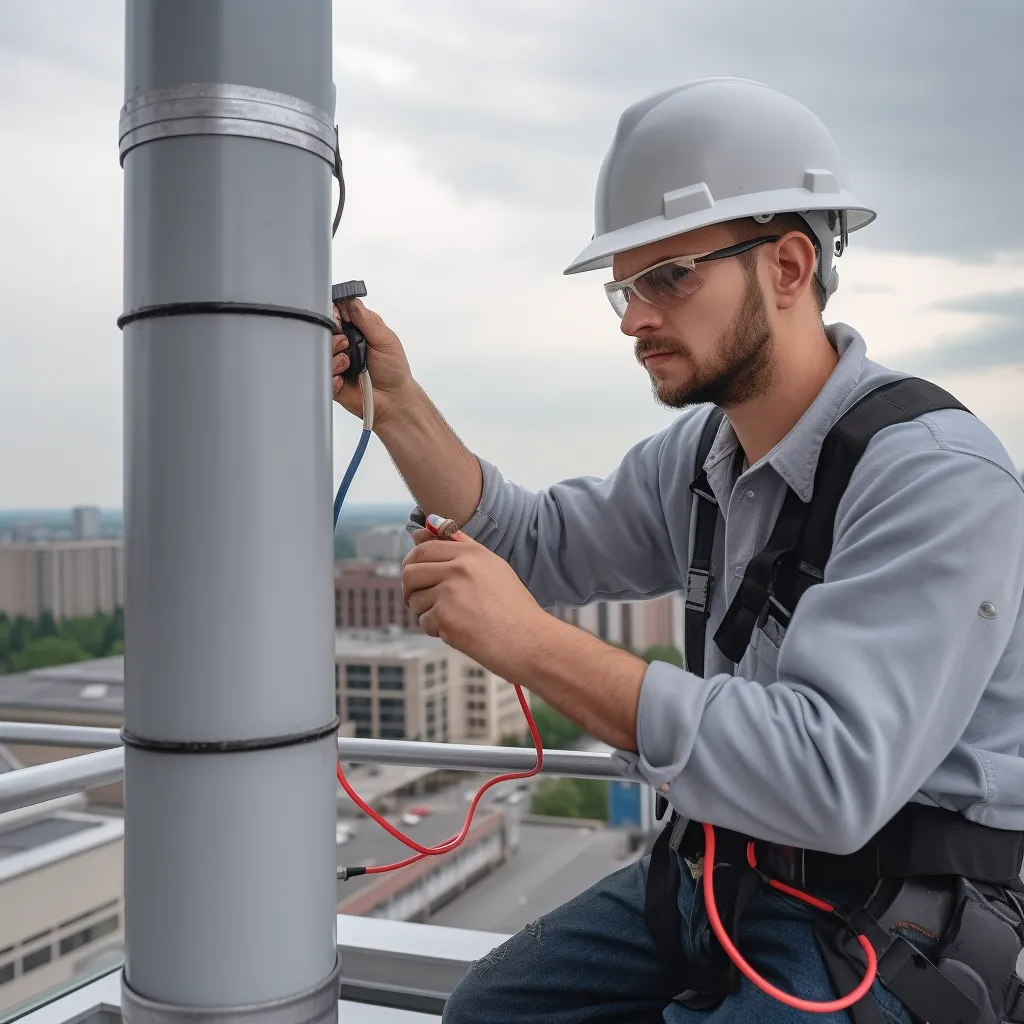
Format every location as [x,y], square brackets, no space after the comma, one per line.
[344,874]
[443,529]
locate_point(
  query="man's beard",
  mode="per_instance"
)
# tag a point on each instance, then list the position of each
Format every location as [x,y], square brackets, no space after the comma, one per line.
[743,368]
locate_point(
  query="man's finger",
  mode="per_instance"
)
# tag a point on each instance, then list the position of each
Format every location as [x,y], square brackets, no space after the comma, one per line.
[421,601]
[432,550]
[422,576]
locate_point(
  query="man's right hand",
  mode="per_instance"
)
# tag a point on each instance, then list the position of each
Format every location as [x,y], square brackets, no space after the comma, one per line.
[386,361]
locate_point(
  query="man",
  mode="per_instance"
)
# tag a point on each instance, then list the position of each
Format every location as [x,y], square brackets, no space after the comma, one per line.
[897,687]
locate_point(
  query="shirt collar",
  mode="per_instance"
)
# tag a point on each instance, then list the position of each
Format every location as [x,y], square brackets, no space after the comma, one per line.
[795,457]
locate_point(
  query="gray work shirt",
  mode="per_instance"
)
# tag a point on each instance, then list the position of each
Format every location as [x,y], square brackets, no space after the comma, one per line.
[892,684]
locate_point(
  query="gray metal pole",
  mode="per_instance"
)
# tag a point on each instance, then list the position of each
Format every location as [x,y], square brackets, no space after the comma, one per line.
[226,140]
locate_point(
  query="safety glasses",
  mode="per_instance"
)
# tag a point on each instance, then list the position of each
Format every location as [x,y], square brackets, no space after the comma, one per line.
[670,281]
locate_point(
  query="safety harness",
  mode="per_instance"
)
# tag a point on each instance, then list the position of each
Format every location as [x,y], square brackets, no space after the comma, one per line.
[952,878]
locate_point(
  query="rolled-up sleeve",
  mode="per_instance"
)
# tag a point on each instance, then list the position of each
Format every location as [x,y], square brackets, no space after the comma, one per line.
[878,676]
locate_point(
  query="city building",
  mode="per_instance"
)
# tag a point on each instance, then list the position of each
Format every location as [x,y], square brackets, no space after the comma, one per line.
[636,625]
[67,578]
[369,596]
[392,684]
[61,894]
[383,544]
[86,523]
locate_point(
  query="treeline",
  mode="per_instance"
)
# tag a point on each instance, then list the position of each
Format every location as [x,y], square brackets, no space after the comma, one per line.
[573,798]
[26,643]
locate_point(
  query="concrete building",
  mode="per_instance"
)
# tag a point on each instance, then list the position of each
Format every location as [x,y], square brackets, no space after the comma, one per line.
[67,578]
[383,544]
[86,523]
[369,596]
[61,902]
[392,684]
[634,624]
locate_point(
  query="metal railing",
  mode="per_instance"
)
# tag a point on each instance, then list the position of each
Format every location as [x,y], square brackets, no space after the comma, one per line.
[27,786]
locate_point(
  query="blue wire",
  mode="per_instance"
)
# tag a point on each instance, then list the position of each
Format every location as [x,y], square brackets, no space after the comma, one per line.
[350,473]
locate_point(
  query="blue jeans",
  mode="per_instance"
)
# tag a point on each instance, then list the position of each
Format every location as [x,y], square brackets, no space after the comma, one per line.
[592,959]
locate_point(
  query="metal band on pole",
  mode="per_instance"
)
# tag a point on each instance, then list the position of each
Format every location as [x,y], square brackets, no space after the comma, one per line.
[222,109]
[319,1003]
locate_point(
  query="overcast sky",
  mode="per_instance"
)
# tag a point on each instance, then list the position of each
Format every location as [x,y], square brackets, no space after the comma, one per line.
[472,134]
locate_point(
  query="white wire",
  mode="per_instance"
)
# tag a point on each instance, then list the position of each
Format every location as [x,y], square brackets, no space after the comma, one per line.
[366,390]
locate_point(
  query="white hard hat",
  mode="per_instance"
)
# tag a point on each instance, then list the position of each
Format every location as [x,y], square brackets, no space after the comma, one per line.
[715,150]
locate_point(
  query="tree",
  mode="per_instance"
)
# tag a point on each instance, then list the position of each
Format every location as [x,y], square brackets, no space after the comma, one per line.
[571,798]
[512,739]
[47,625]
[89,632]
[558,798]
[22,631]
[45,651]
[112,633]
[593,798]
[664,652]
[556,731]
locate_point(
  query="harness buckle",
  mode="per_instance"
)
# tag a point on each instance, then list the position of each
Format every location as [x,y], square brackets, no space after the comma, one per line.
[698,588]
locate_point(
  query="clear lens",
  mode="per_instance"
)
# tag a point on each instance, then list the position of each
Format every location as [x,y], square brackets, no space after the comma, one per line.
[662,286]
[619,298]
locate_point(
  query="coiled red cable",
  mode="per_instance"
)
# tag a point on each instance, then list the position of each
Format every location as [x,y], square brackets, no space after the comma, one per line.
[746,970]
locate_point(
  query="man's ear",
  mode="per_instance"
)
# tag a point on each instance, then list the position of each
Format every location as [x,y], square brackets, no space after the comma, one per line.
[792,273]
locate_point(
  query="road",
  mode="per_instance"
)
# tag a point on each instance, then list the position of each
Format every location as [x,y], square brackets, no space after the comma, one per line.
[554,864]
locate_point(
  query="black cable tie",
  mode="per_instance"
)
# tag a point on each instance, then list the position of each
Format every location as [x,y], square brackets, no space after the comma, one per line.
[130,739]
[239,308]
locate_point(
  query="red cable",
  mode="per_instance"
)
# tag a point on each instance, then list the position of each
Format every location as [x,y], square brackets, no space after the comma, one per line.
[748,972]
[449,844]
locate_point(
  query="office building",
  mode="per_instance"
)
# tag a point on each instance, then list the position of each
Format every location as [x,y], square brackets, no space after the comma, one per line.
[369,596]
[67,578]
[383,544]
[392,684]
[86,523]
[636,625]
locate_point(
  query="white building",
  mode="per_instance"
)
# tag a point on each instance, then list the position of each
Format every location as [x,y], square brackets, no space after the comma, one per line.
[383,544]
[636,625]
[67,578]
[86,523]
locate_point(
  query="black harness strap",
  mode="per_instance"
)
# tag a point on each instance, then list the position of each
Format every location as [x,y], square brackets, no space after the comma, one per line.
[794,558]
[698,579]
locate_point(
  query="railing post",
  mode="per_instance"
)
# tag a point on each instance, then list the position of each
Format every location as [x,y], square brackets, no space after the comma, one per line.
[227,144]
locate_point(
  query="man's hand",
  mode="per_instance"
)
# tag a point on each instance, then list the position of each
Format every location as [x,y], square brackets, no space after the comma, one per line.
[470,598]
[393,383]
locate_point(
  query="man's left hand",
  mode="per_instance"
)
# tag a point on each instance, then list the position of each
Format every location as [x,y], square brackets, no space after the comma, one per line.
[470,598]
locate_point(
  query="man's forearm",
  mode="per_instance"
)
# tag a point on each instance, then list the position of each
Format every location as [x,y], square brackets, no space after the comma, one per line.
[442,473]
[587,680]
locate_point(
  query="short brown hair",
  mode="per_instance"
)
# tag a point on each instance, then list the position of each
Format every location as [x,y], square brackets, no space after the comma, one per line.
[780,224]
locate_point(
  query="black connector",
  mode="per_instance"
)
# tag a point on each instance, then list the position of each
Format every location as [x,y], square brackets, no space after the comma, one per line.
[356,351]
[344,874]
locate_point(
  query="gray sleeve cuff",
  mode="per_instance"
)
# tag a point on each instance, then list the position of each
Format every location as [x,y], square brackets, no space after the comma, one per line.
[483,521]
[669,714]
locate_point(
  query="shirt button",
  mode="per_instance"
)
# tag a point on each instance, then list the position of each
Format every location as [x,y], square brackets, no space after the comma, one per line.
[738,571]
[750,494]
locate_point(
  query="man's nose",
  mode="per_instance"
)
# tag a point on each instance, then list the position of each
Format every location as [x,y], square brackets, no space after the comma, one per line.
[640,316]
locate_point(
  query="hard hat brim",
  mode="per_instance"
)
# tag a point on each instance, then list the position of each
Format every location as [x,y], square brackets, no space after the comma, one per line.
[604,248]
